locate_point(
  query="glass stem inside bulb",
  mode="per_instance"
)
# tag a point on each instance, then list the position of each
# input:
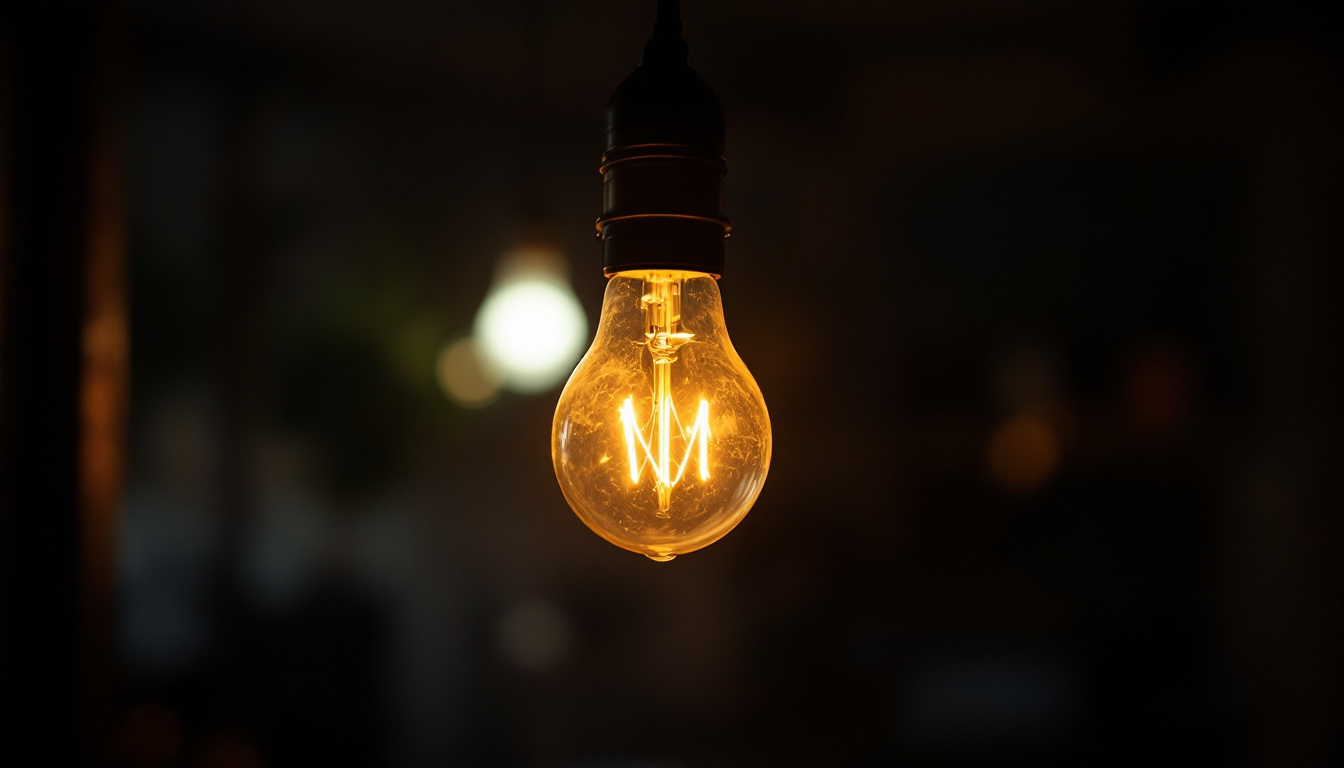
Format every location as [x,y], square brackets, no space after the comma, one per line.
[662,394]
[663,336]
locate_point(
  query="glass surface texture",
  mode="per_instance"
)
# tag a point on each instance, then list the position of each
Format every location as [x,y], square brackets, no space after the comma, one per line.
[661,439]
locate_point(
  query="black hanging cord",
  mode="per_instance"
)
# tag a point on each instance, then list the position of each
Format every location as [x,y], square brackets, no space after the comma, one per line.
[666,49]
[668,24]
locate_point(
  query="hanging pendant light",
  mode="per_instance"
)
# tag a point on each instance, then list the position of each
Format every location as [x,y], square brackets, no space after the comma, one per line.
[661,439]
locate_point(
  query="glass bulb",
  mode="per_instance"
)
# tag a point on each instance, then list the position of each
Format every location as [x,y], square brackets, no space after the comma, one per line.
[661,440]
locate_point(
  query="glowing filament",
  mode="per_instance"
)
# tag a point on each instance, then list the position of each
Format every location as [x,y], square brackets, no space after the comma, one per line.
[657,451]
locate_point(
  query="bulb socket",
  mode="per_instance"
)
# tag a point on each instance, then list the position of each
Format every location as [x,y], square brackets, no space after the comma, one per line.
[663,169]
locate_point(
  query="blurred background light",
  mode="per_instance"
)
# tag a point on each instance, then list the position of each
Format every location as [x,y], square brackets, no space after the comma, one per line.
[535,635]
[531,327]
[1158,388]
[1023,453]
[968,700]
[465,376]
[151,735]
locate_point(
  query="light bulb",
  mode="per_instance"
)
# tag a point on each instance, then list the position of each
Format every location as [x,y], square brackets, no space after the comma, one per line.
[661,439]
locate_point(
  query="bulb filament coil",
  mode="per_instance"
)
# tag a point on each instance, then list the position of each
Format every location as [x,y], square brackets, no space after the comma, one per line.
[661,424]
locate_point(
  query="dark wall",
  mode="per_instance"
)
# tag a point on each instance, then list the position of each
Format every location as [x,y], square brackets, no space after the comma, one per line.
[1043,299]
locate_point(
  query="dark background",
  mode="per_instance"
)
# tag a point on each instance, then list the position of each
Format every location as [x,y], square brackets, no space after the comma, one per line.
[1044,298]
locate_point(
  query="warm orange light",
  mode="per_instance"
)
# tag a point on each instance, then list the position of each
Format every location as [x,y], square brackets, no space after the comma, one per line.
[1023,453]
[661,424]
[661,351]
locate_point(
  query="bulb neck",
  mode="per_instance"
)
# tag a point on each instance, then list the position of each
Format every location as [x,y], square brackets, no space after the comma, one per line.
[663,168]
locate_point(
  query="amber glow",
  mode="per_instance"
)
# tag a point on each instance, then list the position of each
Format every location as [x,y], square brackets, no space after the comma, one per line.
[661,440]
[665,425]
[1022,454]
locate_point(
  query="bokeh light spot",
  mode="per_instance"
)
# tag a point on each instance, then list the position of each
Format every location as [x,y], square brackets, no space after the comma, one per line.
[151,735]
[1023,453]
[534,635]
[532,328]
[465,376]
[231,750]
[1159,389]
